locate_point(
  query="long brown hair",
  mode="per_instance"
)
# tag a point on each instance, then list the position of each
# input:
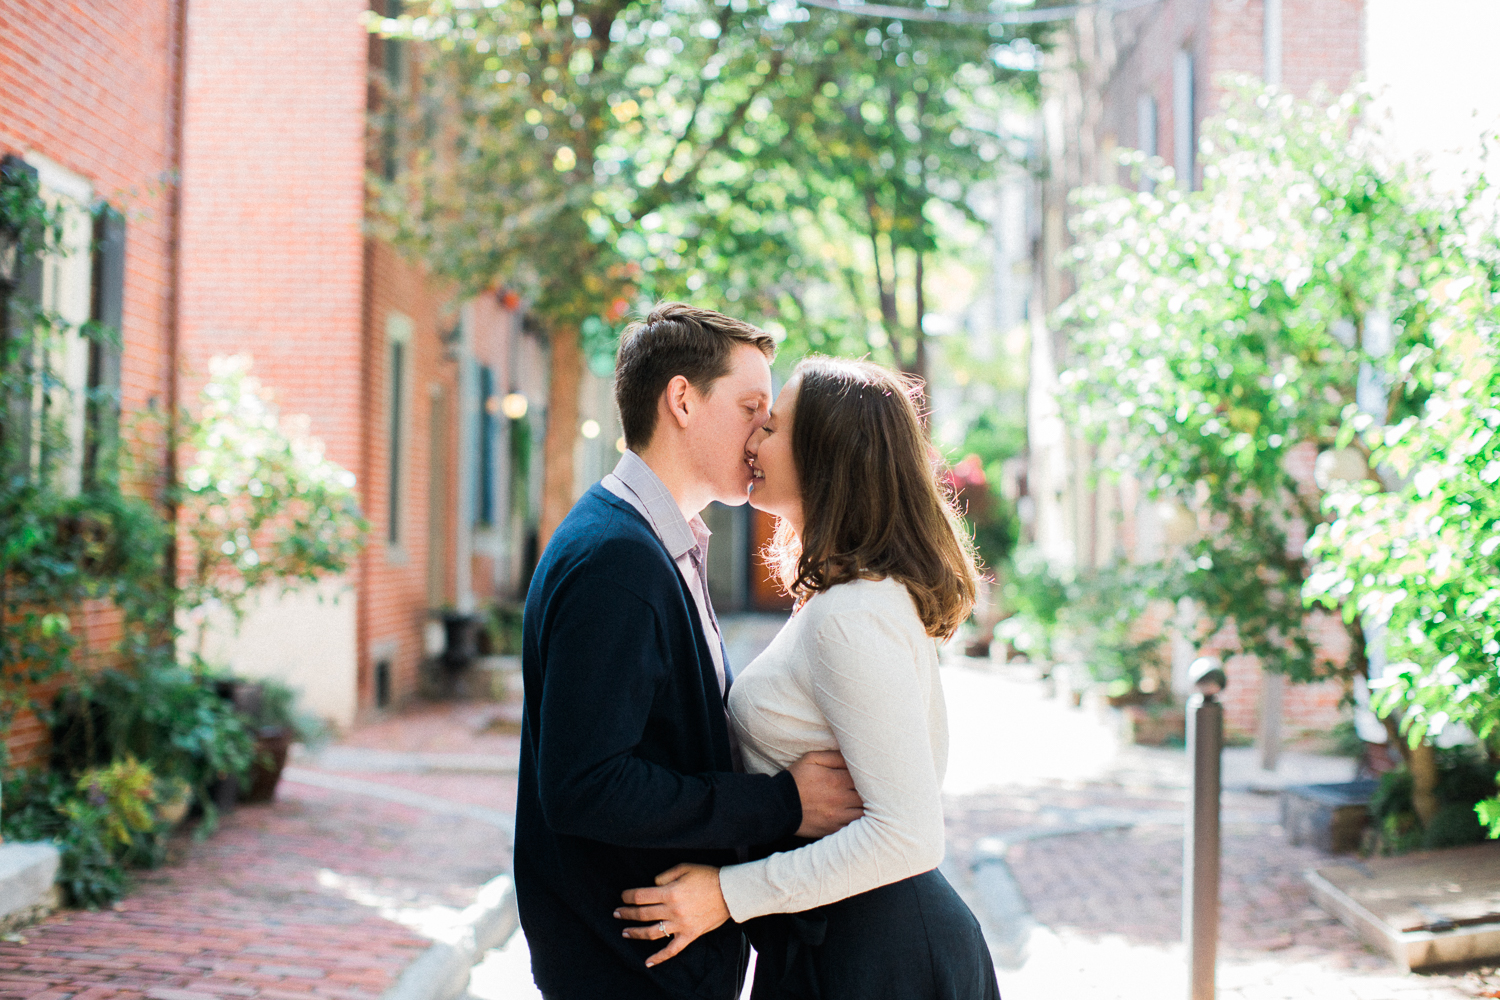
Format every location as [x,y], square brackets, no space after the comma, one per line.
[871,503]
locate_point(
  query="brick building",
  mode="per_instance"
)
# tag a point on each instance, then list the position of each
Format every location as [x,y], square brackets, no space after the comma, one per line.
[1146,78]
[236,154]
[90,102]
[400,378]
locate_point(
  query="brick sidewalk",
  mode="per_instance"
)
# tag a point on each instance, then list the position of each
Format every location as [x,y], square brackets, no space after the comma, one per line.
[1109,902]
[1111,906]
[321,894]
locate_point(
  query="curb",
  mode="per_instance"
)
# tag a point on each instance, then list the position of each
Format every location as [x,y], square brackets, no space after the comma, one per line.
[339,758]
[992,893]
[389,793]
[442,971]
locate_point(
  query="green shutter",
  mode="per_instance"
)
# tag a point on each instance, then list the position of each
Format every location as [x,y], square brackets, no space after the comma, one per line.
[18,301]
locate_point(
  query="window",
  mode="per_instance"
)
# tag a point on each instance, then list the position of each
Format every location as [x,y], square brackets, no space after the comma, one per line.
[52,418]
[1271,44]
[101,432]
[1145,132]
[383,683]
[398,330]
[393,59]
[1184,126]
[484,506]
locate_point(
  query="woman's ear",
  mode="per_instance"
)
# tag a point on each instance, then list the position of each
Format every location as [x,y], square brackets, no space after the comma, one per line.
[678,403]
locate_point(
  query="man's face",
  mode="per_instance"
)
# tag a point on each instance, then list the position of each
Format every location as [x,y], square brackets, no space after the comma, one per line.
[735,408]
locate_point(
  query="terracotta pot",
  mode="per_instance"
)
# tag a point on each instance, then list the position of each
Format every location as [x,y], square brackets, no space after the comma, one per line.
[271,746]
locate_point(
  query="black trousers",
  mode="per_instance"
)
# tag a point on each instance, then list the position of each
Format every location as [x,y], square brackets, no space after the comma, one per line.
[911,940]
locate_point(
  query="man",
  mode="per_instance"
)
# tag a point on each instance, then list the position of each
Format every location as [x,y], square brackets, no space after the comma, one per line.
[627,760]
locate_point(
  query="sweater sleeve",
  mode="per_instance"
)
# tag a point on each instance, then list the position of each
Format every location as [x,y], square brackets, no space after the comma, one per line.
[606,658]
[864,680]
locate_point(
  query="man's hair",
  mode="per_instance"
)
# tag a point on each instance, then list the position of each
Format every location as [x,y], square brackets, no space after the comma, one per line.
[675,339]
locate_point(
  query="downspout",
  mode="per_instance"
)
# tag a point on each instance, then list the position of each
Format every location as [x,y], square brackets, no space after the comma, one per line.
[178,112]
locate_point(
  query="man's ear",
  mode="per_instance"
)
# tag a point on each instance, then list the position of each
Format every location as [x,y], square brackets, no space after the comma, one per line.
[679,405]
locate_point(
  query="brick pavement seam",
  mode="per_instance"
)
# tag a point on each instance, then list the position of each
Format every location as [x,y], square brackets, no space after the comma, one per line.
[401,796]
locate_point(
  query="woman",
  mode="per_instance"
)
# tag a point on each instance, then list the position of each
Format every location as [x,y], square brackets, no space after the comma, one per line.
[879,566]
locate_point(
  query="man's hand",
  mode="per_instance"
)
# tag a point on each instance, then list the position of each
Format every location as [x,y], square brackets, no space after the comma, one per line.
[829,799]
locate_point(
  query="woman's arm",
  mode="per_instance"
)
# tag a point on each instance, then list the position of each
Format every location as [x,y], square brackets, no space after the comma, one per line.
[865,680]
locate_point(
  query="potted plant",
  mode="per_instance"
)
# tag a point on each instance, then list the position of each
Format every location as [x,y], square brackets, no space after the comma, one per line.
[269,709]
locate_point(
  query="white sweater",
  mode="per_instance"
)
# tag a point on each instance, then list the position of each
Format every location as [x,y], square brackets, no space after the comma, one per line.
[855,671]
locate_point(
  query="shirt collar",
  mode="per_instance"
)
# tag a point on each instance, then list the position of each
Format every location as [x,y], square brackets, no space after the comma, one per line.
[676,532]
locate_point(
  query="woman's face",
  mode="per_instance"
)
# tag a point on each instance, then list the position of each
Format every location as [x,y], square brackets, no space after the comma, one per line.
[774,487]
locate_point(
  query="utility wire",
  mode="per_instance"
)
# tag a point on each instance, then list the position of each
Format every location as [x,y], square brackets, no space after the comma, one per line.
[1036,16]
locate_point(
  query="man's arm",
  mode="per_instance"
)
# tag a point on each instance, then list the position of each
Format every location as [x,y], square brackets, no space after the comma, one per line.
[605,655]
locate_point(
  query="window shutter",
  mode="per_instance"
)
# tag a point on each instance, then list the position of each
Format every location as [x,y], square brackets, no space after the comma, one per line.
[485,478]
[107,346]
[17,303]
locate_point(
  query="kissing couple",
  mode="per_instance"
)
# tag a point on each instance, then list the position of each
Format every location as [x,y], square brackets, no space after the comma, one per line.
[670,808]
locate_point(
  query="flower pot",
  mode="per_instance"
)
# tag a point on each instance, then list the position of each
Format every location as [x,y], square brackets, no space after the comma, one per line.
[174,798]
[271,746]
[461,639]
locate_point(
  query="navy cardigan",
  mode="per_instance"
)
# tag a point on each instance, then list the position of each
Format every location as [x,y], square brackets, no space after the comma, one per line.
[625,762]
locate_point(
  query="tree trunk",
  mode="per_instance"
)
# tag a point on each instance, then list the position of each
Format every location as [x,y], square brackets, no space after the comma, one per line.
[1420,760]
[563,384]
[919,350]
[1424,780]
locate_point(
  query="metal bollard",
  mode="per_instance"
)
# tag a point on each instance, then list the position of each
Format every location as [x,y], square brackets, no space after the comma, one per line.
[1200,868]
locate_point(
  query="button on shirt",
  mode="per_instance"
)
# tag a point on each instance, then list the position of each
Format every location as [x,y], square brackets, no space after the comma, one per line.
[686,541]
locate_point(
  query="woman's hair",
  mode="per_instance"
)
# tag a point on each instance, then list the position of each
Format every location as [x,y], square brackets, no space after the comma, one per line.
[871,503]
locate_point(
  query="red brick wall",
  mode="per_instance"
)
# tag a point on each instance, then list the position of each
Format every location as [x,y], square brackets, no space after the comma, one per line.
[1322,46]
[1152,38]
[273,201]
[90,86]
[393,602]
[277,266]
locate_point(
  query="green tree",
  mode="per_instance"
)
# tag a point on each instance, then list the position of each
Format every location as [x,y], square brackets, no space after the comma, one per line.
[594,153]
[259,503]
[1420,560]
[890,131]
[1220,331]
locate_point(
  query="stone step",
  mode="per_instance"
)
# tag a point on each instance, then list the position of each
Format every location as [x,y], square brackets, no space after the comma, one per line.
[27,883]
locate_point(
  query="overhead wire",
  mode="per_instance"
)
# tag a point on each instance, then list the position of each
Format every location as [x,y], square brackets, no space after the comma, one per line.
[1037,15]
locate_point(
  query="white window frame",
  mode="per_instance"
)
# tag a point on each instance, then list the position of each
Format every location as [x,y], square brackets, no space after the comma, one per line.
[1147,124]
[67,291]
[1184,119]
[398,420]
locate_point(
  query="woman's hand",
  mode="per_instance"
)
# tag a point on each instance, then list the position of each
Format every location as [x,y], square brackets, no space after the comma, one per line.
[685,904]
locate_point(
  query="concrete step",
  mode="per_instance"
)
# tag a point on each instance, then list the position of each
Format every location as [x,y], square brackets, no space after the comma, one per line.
[27,875]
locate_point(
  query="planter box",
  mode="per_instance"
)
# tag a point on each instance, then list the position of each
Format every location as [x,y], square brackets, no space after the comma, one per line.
[1154,726]
[1331,818]
[1422,910]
